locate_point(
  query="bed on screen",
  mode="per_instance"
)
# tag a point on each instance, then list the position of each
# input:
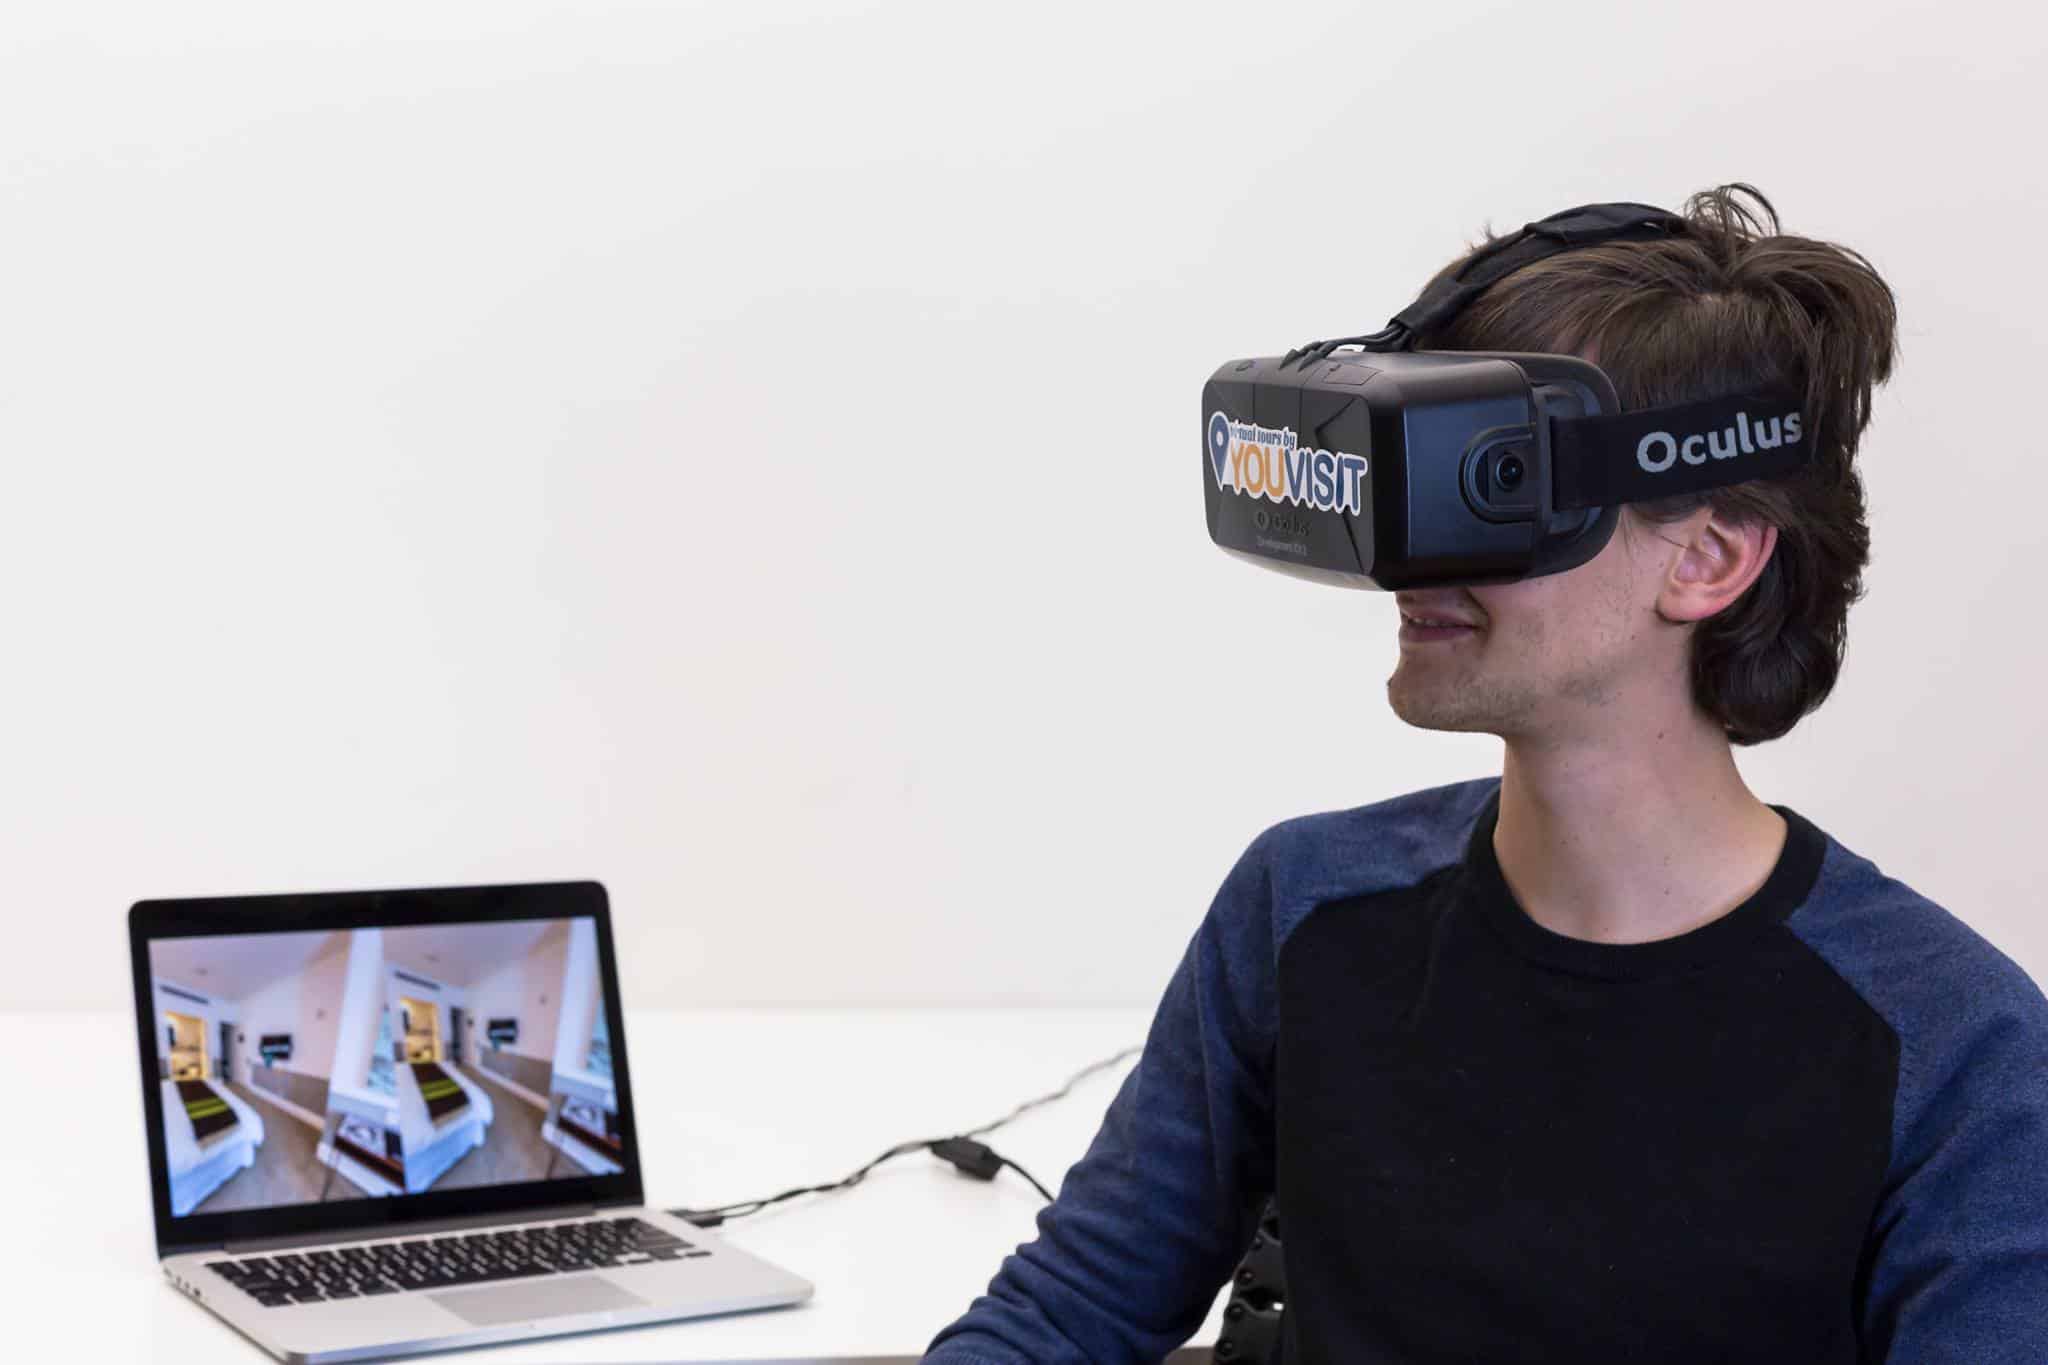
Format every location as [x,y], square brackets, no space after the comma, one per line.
[442,1115]
[210,1134]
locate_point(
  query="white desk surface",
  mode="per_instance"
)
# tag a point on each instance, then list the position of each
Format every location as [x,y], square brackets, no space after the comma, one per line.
[731,1105]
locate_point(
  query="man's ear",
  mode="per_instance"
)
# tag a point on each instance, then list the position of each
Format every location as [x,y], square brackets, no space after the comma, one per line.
[1718,558]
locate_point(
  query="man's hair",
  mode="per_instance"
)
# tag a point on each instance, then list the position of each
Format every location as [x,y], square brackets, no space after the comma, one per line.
[1726,309]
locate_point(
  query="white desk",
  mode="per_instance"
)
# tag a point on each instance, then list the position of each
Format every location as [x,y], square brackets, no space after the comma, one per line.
[731,1105]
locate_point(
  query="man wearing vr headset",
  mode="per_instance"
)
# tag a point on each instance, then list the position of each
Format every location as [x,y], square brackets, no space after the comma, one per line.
[1605,1058]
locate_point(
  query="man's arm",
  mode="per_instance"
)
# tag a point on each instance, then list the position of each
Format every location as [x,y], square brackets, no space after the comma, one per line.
[1959,1257]
[1150,1221]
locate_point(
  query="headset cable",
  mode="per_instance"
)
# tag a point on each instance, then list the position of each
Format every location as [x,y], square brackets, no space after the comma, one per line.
[969,1156]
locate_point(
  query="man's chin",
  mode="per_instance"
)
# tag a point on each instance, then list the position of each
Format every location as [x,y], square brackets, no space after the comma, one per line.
[1445,721]
[1432,709]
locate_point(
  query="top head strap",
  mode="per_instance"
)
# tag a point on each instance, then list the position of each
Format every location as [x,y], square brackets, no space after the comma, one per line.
[1586,225]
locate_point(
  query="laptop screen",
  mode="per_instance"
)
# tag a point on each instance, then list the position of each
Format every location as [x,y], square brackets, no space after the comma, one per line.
[395,1061]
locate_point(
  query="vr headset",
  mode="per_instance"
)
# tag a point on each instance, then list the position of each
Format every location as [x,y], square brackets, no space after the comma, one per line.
[1392,468]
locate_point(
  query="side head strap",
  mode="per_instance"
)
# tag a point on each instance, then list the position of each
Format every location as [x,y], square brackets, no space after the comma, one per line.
[1684,448]
[1586,225]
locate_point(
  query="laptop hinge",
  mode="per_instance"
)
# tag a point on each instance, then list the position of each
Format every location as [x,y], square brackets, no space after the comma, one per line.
[392,1230]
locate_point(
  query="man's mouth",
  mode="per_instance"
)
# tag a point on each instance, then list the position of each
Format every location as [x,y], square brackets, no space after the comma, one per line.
[1425,627]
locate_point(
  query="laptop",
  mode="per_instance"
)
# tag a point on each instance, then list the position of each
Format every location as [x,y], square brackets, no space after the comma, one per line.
[388,1122]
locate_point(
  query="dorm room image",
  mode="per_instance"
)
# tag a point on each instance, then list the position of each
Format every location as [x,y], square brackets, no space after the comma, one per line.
[309,1067]
[486,1061]
[247,1033]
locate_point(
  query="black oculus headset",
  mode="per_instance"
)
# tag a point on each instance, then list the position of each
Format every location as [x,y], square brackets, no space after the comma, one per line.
[1398,468]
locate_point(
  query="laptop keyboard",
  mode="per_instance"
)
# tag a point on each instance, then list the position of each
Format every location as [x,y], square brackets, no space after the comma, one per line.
[358,1270]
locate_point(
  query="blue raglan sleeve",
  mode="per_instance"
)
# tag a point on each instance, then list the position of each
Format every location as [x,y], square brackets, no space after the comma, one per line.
[1154,1216]
[1959,1251]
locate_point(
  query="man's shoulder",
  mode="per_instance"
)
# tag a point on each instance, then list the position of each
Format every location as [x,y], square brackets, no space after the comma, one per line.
[1386,844]
[1945,990]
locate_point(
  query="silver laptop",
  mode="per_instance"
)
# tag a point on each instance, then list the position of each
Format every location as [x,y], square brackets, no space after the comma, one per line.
[387,1122]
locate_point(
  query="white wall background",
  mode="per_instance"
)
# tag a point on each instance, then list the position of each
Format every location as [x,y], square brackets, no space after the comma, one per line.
[496,996]
[277,1008]
[307,1004]
[489,441]
[530,991]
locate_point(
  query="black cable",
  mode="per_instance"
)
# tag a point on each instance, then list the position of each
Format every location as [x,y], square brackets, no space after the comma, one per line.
[1058,1094]
[724,1212]
[1028,1176]
[971,1157]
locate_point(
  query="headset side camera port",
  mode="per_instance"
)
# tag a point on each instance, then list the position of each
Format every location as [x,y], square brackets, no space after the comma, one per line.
[1501,475]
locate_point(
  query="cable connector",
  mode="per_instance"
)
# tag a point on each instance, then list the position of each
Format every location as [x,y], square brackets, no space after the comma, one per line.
[973,1158]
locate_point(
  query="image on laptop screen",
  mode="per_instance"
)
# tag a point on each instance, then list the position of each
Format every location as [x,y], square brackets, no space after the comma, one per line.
[302,1068]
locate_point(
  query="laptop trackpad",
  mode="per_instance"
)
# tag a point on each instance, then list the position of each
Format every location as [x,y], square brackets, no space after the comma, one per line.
[542,1298]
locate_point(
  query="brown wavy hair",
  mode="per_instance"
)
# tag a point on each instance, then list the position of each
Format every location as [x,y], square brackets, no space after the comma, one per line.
[1727,307]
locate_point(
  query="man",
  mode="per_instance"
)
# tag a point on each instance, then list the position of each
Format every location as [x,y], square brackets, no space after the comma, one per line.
[1606,1058]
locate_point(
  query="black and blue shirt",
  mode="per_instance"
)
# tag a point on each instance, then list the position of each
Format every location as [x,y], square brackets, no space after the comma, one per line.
[1814,1130]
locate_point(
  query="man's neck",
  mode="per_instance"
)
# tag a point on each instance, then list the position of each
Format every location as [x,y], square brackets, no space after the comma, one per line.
[1626,841]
